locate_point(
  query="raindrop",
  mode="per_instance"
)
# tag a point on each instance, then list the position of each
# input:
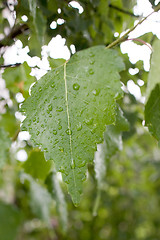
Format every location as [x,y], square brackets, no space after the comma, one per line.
[89,121]
[68,131]
[61,169]
[61,149]
[54,132]
[40,89]
[73,165]
[53,85]
[54,98]
[96,92]
[37,133]
[92,62]
[60,109]
[79,126]
[50,115]
[82,164]
[50,107]
[42,125]
[59,127]
[34,119]
[56,141]
[91,54]
[91,71]
[76,86]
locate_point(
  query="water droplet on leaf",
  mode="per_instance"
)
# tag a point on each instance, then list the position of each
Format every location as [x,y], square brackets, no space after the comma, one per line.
[79,126]
[54,132]
[91,71]
[89,121]
[60,109]
[61,149]
[76,86]
[96,92]
[68,131]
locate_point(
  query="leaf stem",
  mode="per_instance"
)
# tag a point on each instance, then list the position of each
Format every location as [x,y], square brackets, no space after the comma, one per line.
[125,36]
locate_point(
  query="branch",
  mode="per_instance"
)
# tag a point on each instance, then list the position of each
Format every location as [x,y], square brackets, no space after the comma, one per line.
[10,65]
[17,30]
[123,11]
[125,36]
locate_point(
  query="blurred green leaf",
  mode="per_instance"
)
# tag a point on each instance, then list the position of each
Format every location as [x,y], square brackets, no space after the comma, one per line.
[10,218]
[152,107]
[5,144]
[37,166]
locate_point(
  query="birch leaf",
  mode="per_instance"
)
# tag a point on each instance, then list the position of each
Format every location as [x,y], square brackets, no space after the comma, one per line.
[69,109]
[152,107]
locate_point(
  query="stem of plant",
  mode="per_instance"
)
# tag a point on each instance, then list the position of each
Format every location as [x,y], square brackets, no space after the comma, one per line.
[125,36]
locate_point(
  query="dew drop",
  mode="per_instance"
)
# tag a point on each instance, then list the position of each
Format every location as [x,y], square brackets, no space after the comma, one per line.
[53,85]
[91,71]
[96,92]
[89,121]
[61,149]
[34,119]
[42,125]
[79,126]
[59,127]
[92,62]
[54,132]
[82,164]
[61,169]
[54,98]
[40,89]
[37,133]
[56,141]
[50,107]
[60,109]
[50,115]
[91,54]
[76,86]
[73,165]
[68,131]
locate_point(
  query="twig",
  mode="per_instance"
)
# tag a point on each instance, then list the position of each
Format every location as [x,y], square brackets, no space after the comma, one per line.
[123,11]
[125,36]
[17,30]
[10,65]
[16,135]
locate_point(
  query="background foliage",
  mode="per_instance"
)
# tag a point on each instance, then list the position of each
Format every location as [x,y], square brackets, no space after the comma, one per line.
[121,193]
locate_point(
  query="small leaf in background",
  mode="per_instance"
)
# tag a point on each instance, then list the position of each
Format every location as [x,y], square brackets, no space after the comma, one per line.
[112,143]
[37,166]
[10,219]
[152,107]
[9,122]
[57,193]
[37,26]
[69,108]
[40,199]
[5,144]
[18,79]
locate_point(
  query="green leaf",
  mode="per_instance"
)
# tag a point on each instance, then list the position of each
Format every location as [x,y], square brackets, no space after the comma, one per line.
[40,199]
[69,108]
[18,79]
[57,193]
[37,166]
[5,144]
[9,122]
[152,107]
[112,143]
[38,27]
[10,219]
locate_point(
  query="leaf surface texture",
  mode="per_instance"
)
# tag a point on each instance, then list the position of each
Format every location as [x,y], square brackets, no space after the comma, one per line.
[69,109]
